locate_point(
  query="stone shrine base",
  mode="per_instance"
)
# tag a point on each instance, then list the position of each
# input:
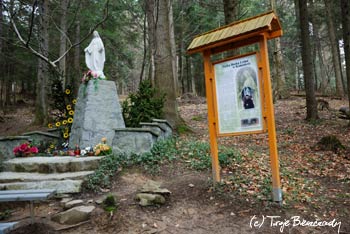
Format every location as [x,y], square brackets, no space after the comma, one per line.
[66,173]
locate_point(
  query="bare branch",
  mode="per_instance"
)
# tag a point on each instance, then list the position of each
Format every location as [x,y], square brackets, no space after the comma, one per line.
[31,23]
[36,53]
[87,35]
[26,45]
[64,34]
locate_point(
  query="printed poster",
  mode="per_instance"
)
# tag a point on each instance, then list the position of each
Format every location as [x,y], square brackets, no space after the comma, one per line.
[238,95]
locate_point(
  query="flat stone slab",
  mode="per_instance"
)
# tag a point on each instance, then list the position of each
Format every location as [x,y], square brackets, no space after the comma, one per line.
[165,125]
[73,203]
[8,177]
[61,186]
[74,215]
[50,135]
[52,164]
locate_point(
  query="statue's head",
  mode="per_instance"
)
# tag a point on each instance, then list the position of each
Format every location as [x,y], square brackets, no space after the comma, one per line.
[95,34]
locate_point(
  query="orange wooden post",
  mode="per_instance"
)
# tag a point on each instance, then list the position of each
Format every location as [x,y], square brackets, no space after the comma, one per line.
[276,183]
[209,76]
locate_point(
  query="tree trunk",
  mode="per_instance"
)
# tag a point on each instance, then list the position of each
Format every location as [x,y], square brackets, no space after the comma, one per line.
[313,39]
[41,103]
[334,45]
[144,31]
[281,87]
[231,15]
[152,18]
[191,87]
[311,104]
[1,33]
[181,49]
[345,12]
[8,85]
[14,92]
[164,65]
[323,73]
[173,46]
[76,80]
[8,66]
[1,57]
[63,42]
[230,10]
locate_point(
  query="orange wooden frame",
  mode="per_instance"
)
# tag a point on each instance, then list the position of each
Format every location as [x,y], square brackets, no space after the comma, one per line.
[213,46]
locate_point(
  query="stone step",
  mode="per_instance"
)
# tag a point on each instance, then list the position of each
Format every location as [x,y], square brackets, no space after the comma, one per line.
[10,177]
[59,164]
[61,186]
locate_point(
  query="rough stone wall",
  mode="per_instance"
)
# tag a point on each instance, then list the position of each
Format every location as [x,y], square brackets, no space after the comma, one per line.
[7,144]
[133,140]
[97,114]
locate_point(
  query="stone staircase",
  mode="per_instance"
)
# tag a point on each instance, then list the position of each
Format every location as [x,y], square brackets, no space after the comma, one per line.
[65,174]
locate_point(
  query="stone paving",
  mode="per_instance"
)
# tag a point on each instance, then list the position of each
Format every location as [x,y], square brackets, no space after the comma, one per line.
[65,174]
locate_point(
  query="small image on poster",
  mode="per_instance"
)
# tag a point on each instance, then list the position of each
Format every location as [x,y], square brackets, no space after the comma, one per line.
[238,95]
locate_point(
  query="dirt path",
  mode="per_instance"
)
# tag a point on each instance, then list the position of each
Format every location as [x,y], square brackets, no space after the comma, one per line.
[191,208]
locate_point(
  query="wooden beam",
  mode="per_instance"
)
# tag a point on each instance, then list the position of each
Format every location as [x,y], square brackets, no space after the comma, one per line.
[209,79]
[264,59]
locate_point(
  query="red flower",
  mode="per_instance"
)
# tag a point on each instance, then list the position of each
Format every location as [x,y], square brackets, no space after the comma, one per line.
[24,147]
[16,150]
[94,75]
[34,150]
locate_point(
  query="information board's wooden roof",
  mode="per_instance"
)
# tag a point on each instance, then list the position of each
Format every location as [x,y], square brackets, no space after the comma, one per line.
[267,22]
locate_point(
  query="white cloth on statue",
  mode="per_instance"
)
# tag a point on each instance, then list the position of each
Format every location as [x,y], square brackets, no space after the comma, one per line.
[95,55]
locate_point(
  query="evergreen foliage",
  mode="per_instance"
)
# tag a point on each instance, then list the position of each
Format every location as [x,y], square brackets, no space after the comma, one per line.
[143,106]
[57,95]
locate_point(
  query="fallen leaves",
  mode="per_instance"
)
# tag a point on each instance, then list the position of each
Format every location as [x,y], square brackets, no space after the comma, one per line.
[301,167]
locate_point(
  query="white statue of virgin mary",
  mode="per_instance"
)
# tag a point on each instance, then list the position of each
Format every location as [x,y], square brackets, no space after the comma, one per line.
[95,55]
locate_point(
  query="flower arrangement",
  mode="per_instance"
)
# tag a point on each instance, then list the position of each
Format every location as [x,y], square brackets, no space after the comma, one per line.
[91,75]
[64,119]
[25,149]
[102,148]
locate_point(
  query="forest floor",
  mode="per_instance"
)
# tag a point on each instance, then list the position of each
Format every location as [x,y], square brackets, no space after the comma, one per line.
[316,183]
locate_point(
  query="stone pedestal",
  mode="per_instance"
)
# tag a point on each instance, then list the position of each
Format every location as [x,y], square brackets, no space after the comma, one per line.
[97,114]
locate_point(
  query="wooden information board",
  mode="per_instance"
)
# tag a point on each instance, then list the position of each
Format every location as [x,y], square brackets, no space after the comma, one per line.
[239,102]
[238,89]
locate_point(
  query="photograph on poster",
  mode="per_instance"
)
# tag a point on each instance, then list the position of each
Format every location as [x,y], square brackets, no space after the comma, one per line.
[238,95]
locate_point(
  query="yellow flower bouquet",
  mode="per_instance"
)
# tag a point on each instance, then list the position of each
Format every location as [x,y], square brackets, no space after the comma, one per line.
[102,148]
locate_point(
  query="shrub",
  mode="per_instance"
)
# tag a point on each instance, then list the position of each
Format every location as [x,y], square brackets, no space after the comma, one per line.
[143,106]
[196,153]
[109,203]
[330,143]
[102,176]
[164,150]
